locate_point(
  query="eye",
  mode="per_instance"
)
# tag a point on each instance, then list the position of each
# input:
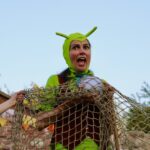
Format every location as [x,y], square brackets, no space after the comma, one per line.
[75,47]
[86,47]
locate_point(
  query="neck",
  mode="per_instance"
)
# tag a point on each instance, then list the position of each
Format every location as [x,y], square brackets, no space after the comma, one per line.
[74,73]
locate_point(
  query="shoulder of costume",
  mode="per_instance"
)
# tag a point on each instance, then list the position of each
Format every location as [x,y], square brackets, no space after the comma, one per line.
[52,81]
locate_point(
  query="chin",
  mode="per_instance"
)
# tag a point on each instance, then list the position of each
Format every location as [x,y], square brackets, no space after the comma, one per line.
[81,69]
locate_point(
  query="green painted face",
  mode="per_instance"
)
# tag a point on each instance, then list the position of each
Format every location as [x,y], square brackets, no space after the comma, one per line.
[69,39]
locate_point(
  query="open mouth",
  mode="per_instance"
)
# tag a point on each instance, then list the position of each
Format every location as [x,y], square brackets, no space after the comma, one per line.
[81,60]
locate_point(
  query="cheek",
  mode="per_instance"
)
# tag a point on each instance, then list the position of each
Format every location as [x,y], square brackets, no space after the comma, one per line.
[73,56]
[89,55]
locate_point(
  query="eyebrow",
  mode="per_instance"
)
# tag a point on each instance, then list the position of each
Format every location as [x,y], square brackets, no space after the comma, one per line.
[86,44]
[76,44]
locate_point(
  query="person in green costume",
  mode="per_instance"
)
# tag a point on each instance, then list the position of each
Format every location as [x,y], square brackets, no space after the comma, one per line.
[77,54]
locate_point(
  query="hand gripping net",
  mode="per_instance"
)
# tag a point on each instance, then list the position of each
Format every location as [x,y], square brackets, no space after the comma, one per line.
[89,116]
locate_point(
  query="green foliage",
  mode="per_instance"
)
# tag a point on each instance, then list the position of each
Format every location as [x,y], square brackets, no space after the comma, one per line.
[47,100]
[44,99]
[139,118]
[143,96]
[40,99]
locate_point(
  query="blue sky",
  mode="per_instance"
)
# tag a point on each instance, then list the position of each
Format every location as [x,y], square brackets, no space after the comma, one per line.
[31,52]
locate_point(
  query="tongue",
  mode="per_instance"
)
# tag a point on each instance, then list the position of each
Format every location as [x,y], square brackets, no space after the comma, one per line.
[81,63]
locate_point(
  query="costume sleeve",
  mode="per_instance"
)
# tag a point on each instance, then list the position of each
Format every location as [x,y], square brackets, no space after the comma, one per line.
[52,81]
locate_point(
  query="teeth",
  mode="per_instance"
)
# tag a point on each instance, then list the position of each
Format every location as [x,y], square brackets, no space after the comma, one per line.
[81,58]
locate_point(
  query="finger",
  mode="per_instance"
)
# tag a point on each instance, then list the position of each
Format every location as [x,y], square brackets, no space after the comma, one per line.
[21,92]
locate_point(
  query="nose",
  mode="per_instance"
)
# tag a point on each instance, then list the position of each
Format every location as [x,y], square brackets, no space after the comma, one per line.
[82,49]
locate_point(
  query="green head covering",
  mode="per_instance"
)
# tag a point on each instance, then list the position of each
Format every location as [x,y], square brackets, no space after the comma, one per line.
[69,39]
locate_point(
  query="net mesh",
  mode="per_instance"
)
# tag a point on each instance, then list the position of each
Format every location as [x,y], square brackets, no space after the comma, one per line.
[90,115]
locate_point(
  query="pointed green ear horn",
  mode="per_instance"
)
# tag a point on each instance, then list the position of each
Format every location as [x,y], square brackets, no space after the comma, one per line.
[90,32]
[63,35]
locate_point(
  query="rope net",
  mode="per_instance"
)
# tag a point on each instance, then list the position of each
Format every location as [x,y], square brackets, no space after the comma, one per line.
[91,115]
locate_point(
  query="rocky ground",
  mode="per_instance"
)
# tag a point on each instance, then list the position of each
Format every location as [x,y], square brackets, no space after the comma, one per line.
[136,140]
[133,140]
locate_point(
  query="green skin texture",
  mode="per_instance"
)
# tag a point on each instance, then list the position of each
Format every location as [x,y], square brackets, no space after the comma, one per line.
[53,80]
